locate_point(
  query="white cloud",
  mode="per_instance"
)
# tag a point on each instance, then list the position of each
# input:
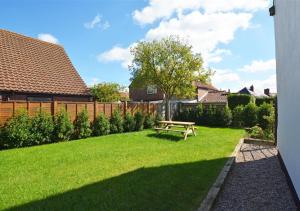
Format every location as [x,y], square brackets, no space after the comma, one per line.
[259,66]
[117,53]
[260,85]
[222,76]
[97,22]
[48,38]
[158,9]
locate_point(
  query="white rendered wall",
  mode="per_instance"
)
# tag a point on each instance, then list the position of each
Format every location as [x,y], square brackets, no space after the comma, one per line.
[287,36]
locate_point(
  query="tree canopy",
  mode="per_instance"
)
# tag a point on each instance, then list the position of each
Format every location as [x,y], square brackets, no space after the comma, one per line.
[107,92]
[169,64]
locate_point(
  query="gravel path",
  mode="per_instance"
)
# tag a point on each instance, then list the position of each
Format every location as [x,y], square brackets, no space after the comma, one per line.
[256,182]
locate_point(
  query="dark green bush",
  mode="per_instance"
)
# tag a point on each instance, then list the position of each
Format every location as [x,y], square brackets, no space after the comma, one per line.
[264,110]
[223,117]
[41,128]
[82,125]
[149,121]
[209,116]
[237,116]
[128,123]
[63,127]
[250,115]
[101,125]
[139,121]
[16,132]
[116,122]
[239,99]
[261,100]
[256,132]
[157,119]
[199,114]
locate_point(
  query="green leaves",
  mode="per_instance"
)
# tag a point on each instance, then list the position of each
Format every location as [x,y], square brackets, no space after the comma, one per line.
[107,92]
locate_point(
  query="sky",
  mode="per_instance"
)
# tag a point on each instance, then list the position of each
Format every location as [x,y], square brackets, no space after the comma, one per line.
[234,37]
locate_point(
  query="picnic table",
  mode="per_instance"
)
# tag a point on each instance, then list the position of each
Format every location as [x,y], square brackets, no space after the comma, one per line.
[167,126]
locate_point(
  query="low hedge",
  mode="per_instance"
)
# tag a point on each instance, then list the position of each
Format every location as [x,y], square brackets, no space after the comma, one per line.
[235,100]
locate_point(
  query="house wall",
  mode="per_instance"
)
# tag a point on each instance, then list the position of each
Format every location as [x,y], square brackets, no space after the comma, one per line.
[136,94]
[287,37]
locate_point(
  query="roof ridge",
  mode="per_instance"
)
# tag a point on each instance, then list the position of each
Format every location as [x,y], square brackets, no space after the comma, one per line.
[31,38]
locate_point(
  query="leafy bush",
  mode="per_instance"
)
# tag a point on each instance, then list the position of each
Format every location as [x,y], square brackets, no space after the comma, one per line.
[128,123]
[250,115]
[209,116]
[63,127]
[16,132]
[264,110]
[116,122]
[261,100]
[199,114]
[235,100]
[139,121]
[41,128]
[223,117]
[157,119]
[149,121]
[82,125]
[237,116]
[256,132]
[101,125]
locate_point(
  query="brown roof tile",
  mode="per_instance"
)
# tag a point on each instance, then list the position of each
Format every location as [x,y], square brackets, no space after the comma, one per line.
[31,65]
[215,97]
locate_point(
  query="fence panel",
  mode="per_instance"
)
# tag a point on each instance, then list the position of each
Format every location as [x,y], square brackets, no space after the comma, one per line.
[8,109]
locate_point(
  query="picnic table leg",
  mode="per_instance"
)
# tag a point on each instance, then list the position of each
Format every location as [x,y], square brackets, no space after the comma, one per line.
[193,129]
[185,135]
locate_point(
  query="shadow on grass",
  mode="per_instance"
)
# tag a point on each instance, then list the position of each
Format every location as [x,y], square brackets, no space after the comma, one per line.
[172,187]
[167,136]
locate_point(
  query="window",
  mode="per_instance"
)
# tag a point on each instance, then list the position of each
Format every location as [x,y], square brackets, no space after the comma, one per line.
[151,90]
[39,99]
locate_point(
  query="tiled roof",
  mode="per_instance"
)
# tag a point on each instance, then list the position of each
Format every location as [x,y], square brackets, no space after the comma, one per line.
[215,97]
[199,84]
[31,65]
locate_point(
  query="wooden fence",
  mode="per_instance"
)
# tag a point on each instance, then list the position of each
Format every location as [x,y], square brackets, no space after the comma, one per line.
[10,108]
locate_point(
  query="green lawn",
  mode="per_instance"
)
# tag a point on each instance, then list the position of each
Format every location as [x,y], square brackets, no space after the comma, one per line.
[130,171]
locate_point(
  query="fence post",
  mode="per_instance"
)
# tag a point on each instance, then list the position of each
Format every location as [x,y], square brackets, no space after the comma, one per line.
[54,107]
[95,109]
[148,108]
[125,107]
[28,107]
[14,108]
[111,109]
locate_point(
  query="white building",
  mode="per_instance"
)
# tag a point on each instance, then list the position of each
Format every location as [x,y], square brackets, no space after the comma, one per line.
[287,36]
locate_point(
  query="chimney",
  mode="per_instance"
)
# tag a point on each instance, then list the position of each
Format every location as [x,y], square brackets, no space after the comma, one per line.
[267,92]
[252,88]
[228,90]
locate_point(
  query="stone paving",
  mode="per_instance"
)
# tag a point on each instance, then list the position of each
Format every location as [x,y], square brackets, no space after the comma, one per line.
[256,182]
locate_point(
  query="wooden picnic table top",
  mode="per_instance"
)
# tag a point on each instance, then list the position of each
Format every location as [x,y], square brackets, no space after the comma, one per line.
[177,123]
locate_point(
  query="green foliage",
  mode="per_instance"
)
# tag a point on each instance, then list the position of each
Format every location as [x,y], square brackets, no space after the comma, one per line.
[169,64]
[250,115]
[264,110]
[82,125]
[223,117]
[41,128]
[116,122]
[63,126]
[157,119]
[256,132]
[106,92]
[128,123]
[235,100]
[16,132]
[149,121]
[237,116]
[139,121]
[270,100]
[101,125]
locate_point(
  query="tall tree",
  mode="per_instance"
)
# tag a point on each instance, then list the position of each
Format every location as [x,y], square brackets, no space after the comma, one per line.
[107,92]
[170,65]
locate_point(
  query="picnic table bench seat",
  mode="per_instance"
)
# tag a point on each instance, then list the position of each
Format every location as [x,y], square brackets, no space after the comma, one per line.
[167,126]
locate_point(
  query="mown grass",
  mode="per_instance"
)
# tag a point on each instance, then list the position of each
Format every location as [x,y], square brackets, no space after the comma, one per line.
[130,171]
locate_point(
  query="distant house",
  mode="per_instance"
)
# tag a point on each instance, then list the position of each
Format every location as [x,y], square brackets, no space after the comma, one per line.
[255,93]
[31,69]
[205,93]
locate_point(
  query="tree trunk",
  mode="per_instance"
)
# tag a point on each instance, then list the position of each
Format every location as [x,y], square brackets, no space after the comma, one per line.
[167,110]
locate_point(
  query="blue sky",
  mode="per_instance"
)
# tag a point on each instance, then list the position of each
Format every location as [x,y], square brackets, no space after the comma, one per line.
[235,37]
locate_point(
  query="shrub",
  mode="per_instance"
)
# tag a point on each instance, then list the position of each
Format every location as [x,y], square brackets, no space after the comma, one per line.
[16,132]
[101,125]
[139,121]
[157,119]
[223,117]
[116,122]
[235,100]
[128,123]
[256,132]
[149,121]
[41,128]
[261,100]
[82,125]
[264,110]
[250,115]
[237,116]
[199,114]
[209,115]
[63,127]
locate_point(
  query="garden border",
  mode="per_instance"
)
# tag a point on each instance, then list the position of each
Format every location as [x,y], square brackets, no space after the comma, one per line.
[214,191]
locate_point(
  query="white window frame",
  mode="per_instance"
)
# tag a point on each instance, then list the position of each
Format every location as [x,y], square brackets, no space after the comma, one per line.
[151,90]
